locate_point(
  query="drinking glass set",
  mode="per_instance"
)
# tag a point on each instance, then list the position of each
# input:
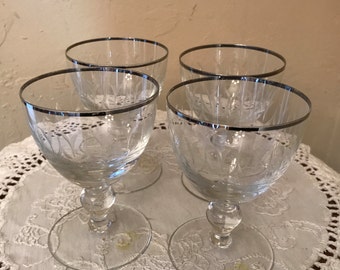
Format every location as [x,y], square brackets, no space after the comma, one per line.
[234,130]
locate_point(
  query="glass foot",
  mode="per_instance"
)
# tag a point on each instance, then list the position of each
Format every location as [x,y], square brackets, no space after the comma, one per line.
[144,173]
[190,247]
[191,189]
[72,243]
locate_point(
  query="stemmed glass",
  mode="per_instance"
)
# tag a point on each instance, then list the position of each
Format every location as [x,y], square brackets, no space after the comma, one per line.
[92,145]
[233,138]
[146,56]
[229,60]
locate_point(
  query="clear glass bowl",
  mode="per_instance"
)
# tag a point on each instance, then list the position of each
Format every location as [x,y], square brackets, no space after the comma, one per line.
[92,125]
[142,55]
[233,138]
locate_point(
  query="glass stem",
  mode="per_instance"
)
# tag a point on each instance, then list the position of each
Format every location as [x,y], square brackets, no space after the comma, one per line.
[223,216]
[98,201]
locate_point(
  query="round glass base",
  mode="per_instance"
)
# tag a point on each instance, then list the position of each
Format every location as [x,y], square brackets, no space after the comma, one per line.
[190,247]
[71,242]
[144,173]
[190,188]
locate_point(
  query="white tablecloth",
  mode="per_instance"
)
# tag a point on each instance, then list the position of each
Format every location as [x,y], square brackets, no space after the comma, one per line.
[300,214]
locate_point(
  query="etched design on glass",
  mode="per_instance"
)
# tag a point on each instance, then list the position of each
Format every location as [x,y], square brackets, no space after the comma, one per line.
[85,141]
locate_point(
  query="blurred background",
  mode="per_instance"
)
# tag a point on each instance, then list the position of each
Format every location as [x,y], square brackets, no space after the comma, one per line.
[35,33]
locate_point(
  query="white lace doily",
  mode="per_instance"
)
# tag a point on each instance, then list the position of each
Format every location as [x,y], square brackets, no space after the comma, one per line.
[300,214]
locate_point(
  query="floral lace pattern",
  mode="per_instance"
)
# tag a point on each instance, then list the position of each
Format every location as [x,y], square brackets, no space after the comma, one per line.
[300,214]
